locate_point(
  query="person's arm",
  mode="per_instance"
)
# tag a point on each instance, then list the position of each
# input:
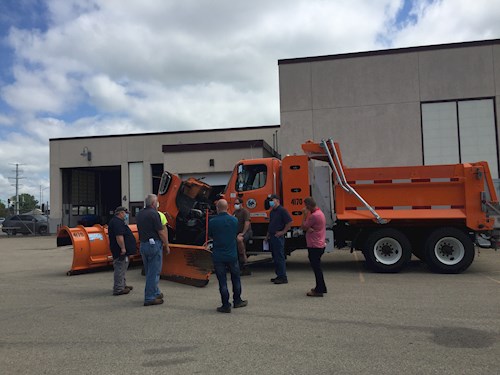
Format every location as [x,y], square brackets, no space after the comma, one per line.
[121,242]
[164,238]
[285,217]
[246,227]
[285,229]
[305,220]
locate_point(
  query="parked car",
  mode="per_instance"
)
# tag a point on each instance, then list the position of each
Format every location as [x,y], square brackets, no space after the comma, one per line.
[26,224]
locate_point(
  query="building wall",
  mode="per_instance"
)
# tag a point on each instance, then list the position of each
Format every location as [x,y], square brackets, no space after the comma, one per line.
[147,148]
[371,102]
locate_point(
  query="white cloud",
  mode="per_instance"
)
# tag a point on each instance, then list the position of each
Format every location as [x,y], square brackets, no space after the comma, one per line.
[123,66]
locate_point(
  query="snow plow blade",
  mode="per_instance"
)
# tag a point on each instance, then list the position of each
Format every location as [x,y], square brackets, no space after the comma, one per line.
[186,264]
[90,247]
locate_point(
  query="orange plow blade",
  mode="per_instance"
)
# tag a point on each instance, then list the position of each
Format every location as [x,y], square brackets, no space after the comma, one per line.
[90,247]
[185,264]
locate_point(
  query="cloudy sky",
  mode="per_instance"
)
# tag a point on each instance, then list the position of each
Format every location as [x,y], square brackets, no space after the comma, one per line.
[90,67]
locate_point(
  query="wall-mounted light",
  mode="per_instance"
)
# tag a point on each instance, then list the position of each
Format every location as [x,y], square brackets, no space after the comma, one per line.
[86,153]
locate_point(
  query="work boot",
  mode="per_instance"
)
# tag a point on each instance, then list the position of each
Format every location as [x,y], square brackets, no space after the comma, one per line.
[129,287]
[274,279]
[124,291]
[242,303]
[153,302]
[313,293]
[224,309]
[279,280]
[159,296]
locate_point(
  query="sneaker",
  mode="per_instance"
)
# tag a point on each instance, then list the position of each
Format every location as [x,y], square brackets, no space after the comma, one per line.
[313,293]
[224,309]
[242,303]
[280,281]
[274,279]
[153,302]
[159,296]
[124,291]
[129,287]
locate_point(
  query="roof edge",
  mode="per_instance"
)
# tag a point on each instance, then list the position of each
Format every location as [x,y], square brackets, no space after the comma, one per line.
[166,133]
[390,51]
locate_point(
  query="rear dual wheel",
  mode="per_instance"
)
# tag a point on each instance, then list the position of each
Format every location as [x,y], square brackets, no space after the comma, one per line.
[387,250]
[449,250]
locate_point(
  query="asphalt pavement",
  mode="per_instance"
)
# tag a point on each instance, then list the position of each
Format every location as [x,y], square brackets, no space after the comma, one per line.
[414,322]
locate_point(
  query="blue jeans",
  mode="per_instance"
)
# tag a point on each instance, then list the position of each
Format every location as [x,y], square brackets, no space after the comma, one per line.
[220,271]
[277,247]
[152,261]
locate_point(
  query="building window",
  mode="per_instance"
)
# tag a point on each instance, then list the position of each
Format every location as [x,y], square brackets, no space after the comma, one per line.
[460,132]
[136,182]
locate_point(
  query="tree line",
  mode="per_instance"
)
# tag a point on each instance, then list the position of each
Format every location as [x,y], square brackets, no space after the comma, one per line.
[27,202]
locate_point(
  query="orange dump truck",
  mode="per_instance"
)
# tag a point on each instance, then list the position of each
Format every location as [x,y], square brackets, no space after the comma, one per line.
[435,212]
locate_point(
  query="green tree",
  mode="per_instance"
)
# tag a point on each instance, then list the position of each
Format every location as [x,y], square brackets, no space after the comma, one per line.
[3,209]
[27,202]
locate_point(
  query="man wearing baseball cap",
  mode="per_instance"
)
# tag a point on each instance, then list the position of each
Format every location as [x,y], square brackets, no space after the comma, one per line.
[122,244]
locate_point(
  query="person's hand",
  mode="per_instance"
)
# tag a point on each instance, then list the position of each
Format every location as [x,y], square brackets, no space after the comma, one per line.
[278,234]
[123,251]
[240,235]
[305,211]
[166,249]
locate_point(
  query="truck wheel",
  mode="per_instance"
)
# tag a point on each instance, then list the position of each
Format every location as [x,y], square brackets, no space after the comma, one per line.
[387,250]
[449,250]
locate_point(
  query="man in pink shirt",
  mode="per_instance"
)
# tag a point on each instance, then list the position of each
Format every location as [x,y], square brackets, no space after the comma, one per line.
[314,225]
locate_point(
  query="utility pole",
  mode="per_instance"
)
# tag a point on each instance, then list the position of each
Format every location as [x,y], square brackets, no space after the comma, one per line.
[17,178]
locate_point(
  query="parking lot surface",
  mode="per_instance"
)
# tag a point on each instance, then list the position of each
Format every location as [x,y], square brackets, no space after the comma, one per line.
[415,322]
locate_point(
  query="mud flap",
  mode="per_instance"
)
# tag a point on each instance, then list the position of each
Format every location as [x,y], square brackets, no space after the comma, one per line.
[187,264]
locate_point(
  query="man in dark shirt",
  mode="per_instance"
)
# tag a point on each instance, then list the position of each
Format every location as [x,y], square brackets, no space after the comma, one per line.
[122,244]
[244,234]
[153,237]
[280,222]
[223,229]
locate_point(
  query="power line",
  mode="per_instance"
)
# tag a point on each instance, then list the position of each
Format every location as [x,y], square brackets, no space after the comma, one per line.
[17,178]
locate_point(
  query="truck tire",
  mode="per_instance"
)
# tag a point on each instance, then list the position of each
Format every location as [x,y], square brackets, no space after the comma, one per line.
[387,250]
[449,250]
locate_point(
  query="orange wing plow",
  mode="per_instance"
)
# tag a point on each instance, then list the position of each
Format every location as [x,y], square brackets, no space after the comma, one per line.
[185,264]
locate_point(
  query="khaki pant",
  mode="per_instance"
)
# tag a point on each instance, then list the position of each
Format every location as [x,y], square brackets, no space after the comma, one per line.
[120,266]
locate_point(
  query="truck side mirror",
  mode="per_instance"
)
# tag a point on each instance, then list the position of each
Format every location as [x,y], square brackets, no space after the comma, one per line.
[266,204]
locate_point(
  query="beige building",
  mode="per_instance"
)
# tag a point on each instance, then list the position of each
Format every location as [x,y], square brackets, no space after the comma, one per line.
[408,106]
[93,175]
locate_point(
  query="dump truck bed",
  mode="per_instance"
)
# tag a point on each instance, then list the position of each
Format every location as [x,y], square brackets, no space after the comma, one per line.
[416,194]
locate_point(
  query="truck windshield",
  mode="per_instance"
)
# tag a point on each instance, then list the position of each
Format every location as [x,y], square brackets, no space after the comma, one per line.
[166,178]
[251,177]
